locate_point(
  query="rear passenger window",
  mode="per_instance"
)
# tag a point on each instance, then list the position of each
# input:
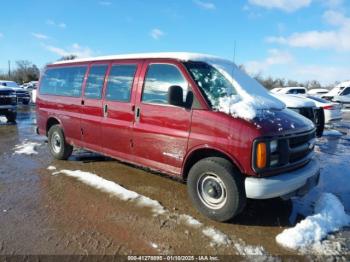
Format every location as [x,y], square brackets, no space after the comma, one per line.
[95,81]
[158,80]
[65,81]
[120,81]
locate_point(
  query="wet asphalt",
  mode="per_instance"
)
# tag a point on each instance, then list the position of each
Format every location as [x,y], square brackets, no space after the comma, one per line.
[45,214]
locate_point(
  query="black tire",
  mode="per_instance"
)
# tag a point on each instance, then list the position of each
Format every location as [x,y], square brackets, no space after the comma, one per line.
[58,146]
[319,121]
[220,178]
[11,117]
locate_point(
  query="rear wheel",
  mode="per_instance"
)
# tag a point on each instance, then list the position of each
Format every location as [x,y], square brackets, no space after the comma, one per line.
[11,117]
[58,145]
[216,188]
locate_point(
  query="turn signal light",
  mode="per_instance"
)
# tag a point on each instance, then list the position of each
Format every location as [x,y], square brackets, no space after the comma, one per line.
[261,155]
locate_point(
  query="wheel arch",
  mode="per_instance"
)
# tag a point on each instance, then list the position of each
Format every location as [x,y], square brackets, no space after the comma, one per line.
[200,153]
[51,121]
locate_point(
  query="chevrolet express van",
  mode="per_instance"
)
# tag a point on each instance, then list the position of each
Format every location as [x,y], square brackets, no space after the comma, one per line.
[195,117]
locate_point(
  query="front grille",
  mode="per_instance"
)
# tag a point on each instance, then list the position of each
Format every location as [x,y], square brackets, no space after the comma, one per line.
[5,93]
[293,151]
[300,146]
[7,101]
[22,94]
[300,140]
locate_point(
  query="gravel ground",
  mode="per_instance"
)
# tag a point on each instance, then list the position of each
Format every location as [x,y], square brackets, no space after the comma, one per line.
[43,210]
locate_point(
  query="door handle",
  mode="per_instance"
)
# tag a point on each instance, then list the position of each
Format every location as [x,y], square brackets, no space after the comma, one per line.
[137,114]
[82,102]
[105,110]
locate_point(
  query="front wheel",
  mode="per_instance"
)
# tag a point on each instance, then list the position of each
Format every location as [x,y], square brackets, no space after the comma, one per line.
[216,188]
[11,117]
[58,145]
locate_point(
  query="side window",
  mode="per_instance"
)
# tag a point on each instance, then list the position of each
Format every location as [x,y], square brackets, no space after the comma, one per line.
[65,81]
[120,81]
[346,91]
[158,80]
[95,81]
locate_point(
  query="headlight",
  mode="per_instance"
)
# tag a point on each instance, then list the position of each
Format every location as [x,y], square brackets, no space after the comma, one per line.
[273,146]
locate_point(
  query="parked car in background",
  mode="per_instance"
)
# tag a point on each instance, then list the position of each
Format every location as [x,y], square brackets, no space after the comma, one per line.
[32,87]
[306,107]
[33,96]
[339,94]
[8,103]
[163,111]
[23,96]
[291,90]
[317,92]
[332,111]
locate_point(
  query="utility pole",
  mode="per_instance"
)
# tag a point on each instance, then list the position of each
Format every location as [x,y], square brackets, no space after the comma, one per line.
[9,68]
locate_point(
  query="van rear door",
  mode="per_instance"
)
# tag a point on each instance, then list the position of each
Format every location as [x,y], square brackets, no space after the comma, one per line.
[161,130]
[118,109]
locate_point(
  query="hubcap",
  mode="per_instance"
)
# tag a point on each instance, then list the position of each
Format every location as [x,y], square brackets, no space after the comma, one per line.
[212,190]
[56,142]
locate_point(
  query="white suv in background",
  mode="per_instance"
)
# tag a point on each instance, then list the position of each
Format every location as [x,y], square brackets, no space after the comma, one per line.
[340,94]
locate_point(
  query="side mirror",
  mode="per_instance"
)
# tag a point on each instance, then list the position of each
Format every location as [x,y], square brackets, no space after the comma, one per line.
[175,96]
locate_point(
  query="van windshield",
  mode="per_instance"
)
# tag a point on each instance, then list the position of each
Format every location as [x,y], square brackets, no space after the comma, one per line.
[9,84]
[211,82]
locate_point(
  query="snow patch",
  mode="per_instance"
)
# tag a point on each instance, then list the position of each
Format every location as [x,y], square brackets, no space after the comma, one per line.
[154,245]
[332,132]
[155,206]
[329,217]
[26,148]
[248,250]
[252,99]
[114,189]
[190,221]
[216,236]
[51,168]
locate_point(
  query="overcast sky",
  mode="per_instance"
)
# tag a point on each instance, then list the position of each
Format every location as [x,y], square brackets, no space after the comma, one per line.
[299,39]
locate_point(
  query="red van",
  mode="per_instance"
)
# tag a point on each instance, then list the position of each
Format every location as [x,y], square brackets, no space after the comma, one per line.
[196,117]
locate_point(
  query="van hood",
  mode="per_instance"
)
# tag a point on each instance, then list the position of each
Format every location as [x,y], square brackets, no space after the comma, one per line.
[293,101]
[283,122]
[2,88]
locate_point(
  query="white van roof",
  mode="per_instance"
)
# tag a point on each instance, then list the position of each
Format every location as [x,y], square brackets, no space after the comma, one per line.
[184,56]
[344,84]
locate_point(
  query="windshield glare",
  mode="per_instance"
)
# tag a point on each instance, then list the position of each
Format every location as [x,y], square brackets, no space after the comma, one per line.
[212,83]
